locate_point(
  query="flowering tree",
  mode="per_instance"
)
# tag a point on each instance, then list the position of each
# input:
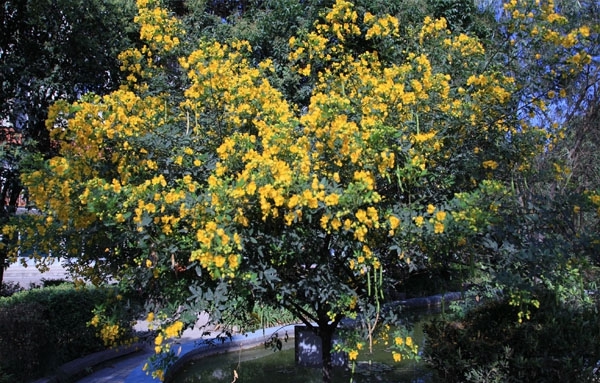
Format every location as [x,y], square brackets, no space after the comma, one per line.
[221,192]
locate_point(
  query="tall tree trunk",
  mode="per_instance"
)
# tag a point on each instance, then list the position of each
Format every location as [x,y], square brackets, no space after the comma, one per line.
[2,266]
[326,330]
[326,335]
[10,190]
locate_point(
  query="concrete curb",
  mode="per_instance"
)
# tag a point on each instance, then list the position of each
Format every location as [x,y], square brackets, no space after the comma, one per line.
[191,350]
[79,368]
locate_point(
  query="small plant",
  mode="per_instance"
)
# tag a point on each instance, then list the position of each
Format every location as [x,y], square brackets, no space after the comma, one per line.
[113,319]
[275,342]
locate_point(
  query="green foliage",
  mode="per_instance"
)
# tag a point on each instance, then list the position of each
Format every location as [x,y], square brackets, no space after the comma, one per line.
[243,319]
[558,344]
[40,329]
[458,13]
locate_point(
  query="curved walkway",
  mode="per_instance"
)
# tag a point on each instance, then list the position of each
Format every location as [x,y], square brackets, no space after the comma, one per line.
[129,368]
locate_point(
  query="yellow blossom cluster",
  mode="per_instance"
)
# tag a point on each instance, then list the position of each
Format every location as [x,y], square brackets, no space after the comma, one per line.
[246,162]
[218,249]
[464,44]
[160,32]
[341,21]
[110,334]
[364,260]
[158,28]
[400,342]
[433,28]
[171,331]
[381,27]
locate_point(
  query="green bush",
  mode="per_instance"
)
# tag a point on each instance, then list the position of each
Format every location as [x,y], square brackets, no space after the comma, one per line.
[9,288]
[40,329]
[557,344]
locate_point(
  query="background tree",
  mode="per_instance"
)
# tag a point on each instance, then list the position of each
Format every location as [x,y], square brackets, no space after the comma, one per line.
[539,256]
[51,50]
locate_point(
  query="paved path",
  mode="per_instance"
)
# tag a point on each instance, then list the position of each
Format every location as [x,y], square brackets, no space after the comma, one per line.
[130,369]
[117,371]
[27,274]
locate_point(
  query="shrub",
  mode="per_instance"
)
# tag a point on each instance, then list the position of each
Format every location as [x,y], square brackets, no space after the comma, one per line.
[40,329]
[9,288]
[557,344]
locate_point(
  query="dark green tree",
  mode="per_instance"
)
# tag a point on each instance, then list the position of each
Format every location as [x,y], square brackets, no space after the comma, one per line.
[50,50]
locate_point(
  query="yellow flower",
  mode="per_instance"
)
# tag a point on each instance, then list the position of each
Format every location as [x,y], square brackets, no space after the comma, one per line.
[233,260]
[438,228]
[398,341]
[95,321]
[490,164]
[324,220]
[440,216]
[174,329]
[219,261]
[418,220]
[397,356]
[430,209]
[361,215]
[394,222]
[336,224]
[332,199]
[584,31]
[352,355]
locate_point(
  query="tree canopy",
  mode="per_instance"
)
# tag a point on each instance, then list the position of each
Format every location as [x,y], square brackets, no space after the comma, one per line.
[206,183]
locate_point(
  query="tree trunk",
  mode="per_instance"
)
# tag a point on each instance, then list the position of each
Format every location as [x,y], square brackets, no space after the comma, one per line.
[326,335]
[2,266]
